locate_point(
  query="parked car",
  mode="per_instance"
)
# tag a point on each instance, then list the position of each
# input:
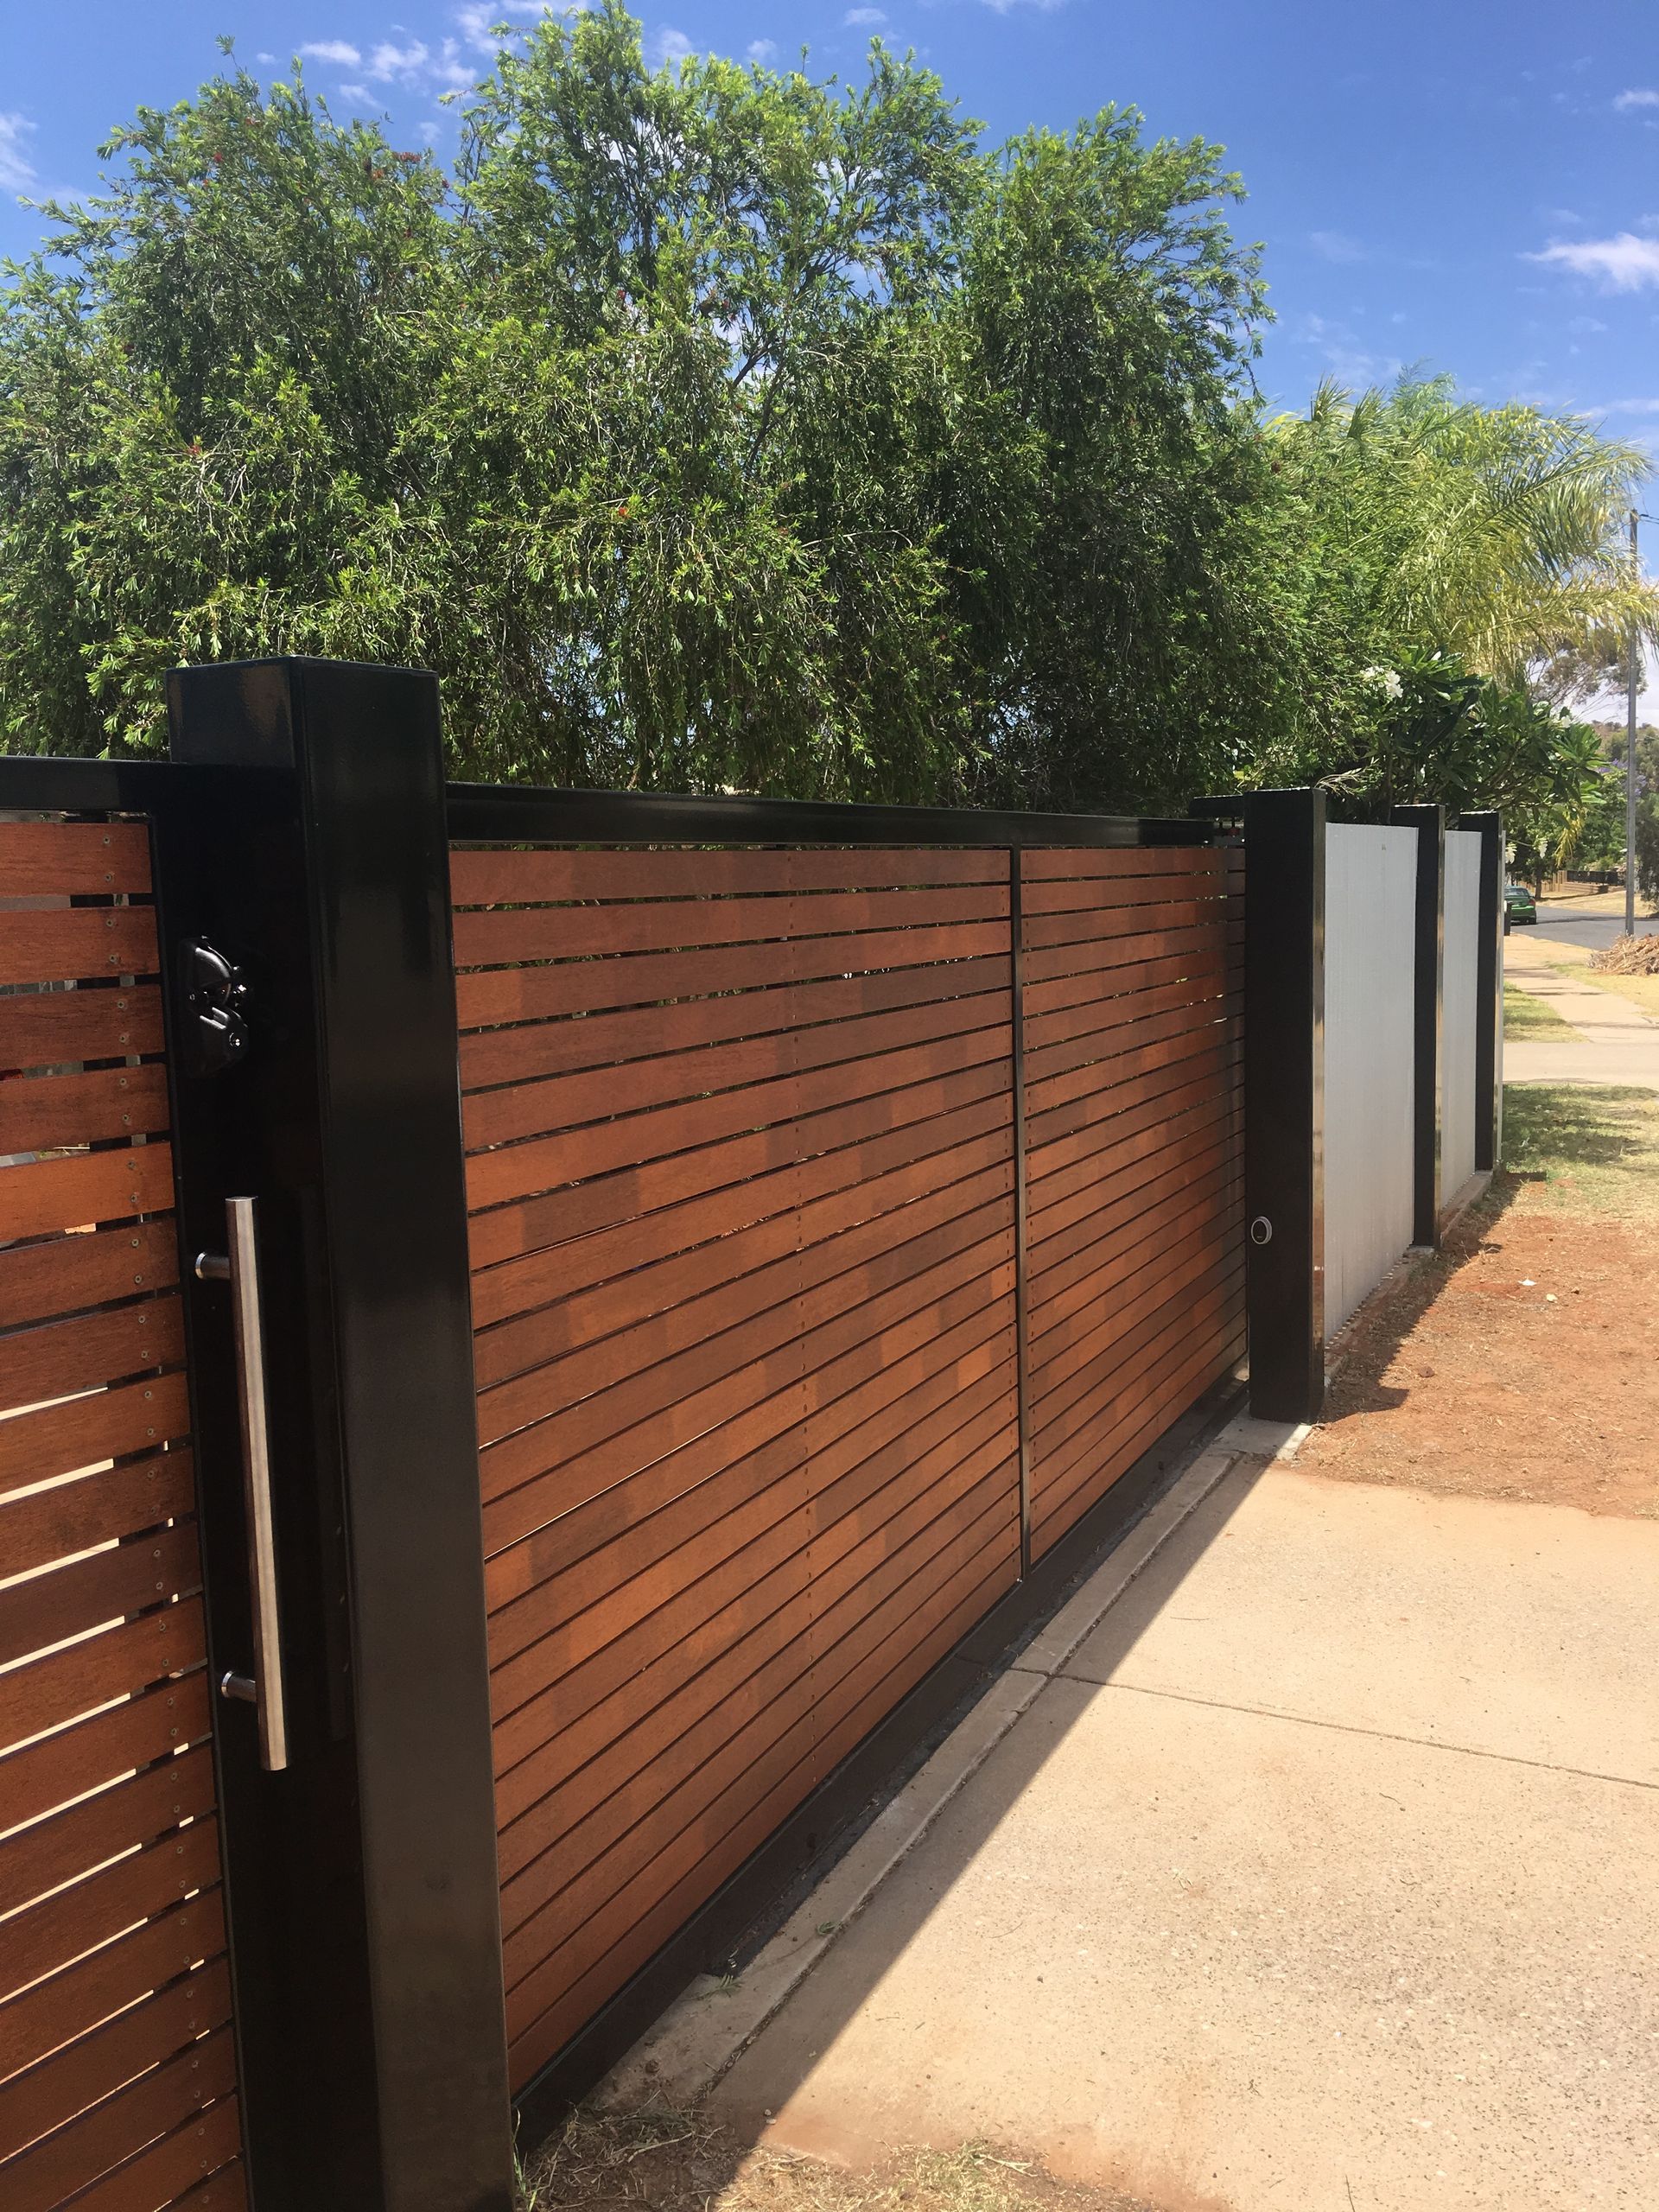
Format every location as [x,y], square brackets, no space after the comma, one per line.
[1519,904]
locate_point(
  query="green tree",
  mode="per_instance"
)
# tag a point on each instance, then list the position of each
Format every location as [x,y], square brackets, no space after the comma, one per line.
[711,427]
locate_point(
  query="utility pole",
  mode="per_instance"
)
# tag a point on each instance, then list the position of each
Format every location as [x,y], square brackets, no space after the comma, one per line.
[1629,752]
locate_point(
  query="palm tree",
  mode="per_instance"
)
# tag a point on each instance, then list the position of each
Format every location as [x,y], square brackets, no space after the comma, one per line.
[1496,534]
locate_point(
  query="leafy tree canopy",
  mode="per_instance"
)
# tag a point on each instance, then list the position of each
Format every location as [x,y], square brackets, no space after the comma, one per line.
[713,426]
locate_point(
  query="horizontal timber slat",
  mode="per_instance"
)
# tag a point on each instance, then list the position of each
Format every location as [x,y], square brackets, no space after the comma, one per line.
[49,947]
[54,1440]
[68,1517]
[39,1112]
[511,936]
[84,1188]
[38,1281]
[85,1355]
[549,873]
[40,1029]
[73,859]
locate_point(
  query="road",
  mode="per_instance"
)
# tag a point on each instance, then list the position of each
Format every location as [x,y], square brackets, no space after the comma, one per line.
[1563,921]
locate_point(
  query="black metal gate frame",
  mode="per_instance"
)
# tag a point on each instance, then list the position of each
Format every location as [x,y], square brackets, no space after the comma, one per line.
[302,826]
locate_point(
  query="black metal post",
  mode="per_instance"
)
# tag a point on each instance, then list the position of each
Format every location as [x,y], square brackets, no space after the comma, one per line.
[1488,990]
[1284,1101]
[361,1886]
[1427,1016]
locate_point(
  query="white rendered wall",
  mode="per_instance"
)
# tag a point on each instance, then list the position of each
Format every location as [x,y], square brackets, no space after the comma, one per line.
[1458,1017]
[1371,891]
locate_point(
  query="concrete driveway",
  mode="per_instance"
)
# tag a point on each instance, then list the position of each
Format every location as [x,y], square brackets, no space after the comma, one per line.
[1323,1877]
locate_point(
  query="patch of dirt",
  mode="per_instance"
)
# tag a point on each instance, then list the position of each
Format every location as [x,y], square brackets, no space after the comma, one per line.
[682,2162]
[1522,1362]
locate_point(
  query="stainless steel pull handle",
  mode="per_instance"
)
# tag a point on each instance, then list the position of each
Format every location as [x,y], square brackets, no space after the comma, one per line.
[264,1689]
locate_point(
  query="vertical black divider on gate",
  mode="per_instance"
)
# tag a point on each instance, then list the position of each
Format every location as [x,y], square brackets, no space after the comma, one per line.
[1489,995]
[1284,1101]
[1428,1005]
[361,1891]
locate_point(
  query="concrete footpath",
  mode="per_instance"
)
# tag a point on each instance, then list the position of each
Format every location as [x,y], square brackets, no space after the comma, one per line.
[1321,1876]
[1616,1043]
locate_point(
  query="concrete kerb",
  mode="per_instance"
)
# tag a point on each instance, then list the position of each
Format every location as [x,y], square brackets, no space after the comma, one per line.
[703,2033]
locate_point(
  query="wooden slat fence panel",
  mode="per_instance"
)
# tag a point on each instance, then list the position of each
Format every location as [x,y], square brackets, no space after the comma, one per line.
[741,1175]
[740,1127]
[117,2070]
[1133,1032]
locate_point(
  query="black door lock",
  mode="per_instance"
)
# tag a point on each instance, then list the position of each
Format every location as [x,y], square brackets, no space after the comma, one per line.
[215,1008]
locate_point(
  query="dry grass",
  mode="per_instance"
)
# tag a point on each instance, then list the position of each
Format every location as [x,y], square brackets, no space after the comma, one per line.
[664,2161]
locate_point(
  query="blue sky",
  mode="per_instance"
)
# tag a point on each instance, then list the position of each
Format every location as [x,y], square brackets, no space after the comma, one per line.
[1470,186]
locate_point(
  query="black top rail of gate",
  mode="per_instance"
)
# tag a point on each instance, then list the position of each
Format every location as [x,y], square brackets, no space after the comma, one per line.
[514,814]
[34,782]
[510,814]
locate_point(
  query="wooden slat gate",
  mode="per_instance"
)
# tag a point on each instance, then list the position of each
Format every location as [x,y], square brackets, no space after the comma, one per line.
[119,2078]
[783,1165]
[724,1266]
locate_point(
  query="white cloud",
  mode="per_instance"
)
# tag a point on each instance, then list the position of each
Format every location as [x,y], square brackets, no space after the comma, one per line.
[1624,264]
[332,49]
[1627,407]
[1335,245]
[1007,7]
[269,58]
[479,20]
[402,65]
[761,49]
[418,67]
[361,93]
[855,16]
[1626,101]
[16,170]
[670,45]
[1586,325]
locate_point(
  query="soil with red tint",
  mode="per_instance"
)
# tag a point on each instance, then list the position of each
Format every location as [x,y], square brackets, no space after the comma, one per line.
[1522,1362]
